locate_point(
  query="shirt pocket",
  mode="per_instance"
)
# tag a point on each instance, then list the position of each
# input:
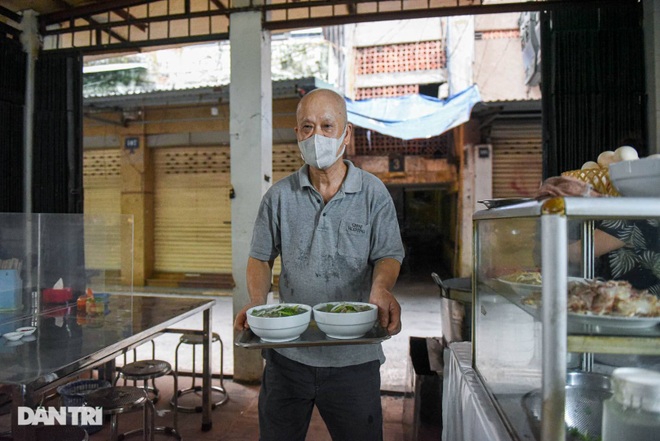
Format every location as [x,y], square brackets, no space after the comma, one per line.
[354,239]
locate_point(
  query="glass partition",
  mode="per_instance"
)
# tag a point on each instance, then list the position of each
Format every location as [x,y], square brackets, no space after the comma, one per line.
[49,260]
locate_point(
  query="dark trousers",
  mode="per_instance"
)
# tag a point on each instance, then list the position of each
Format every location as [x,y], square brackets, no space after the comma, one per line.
[348,400]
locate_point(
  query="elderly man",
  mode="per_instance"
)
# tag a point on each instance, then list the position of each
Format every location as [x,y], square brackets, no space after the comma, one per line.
[335,228]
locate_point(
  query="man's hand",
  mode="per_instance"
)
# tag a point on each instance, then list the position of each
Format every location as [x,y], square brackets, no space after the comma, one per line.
[258,277]
[241,318]
[389,310]
[385,274]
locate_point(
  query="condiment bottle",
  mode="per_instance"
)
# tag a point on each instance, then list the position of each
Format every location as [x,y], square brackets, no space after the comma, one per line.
[632,413]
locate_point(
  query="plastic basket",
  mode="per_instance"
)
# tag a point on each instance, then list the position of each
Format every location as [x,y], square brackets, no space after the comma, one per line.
[599,178]
[73,394]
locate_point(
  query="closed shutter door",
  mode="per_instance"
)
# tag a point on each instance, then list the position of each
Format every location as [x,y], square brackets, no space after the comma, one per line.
[102,188]
[517,157]
[192,229]
[192,226]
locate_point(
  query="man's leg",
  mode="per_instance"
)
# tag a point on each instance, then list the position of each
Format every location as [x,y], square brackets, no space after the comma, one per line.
[349,402]
[286,399]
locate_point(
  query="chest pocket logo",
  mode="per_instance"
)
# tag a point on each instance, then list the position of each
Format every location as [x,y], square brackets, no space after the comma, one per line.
[354,239]
[355,228]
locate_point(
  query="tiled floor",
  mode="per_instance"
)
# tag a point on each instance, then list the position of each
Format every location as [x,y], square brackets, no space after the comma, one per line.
[237,420]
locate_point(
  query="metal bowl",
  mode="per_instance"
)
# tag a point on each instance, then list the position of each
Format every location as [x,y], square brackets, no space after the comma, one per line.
[585,393]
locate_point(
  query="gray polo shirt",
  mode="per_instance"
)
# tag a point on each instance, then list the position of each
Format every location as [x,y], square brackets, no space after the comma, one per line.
[328,251]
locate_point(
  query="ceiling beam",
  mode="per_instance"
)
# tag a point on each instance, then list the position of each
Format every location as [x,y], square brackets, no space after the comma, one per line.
[284,15]
[218,4]
[90,9]
[10,14]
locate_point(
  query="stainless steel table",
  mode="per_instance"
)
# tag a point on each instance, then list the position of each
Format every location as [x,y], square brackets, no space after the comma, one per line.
[68,343]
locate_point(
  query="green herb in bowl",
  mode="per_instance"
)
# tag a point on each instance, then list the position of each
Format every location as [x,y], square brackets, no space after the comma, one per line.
[279,311]
[345,308]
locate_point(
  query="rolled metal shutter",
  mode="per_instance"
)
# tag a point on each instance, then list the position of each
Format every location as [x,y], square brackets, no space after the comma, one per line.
[102,184]
[192,227]
[517,157]
[192,224]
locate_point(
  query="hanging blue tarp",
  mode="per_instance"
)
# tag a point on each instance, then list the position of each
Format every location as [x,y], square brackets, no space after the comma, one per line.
[413,116]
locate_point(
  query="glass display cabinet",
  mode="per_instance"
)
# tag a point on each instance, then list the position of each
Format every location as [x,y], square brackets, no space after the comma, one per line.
[533,330]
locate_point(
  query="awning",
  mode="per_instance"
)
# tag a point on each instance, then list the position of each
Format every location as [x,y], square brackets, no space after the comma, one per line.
[413,116]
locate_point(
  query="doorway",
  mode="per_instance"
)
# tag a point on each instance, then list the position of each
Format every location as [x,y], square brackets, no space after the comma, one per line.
[426,214]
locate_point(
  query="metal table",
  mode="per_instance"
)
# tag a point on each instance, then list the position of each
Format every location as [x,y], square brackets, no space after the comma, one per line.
[68,343]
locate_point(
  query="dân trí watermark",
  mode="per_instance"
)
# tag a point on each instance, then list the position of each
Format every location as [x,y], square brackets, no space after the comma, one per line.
[49,416]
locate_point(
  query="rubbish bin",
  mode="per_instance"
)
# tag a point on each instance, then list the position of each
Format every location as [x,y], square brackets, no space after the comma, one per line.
[426,357]
[73,395]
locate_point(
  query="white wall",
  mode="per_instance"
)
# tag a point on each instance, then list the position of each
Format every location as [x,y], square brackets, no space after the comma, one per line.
[498,62]
[397,31]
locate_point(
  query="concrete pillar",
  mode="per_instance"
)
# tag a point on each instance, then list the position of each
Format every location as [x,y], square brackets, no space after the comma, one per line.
[652,61]
[466,136]
[137,199]
[460,49]
[251,144]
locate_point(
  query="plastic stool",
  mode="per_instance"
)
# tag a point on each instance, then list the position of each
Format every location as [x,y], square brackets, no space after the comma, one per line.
[145,370]
[61,433]
[197,339]
[123,399]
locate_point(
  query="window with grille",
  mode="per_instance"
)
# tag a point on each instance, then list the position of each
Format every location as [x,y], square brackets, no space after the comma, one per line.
[405,57]
[370,143]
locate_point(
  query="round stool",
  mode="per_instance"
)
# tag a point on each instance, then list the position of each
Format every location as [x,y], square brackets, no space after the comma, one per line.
[194,340]
[135,358]
[123,399]
[61,433]
[145,370]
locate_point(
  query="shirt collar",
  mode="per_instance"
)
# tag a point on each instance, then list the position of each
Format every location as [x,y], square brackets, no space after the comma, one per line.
[352,183]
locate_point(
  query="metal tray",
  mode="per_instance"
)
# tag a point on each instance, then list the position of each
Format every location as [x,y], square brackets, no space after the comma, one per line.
[313,336]
[503,202]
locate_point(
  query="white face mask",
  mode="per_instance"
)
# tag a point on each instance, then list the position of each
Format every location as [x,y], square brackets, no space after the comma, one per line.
[320,151]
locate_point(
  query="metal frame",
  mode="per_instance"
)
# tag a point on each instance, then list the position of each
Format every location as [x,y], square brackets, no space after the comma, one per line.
[111,26]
